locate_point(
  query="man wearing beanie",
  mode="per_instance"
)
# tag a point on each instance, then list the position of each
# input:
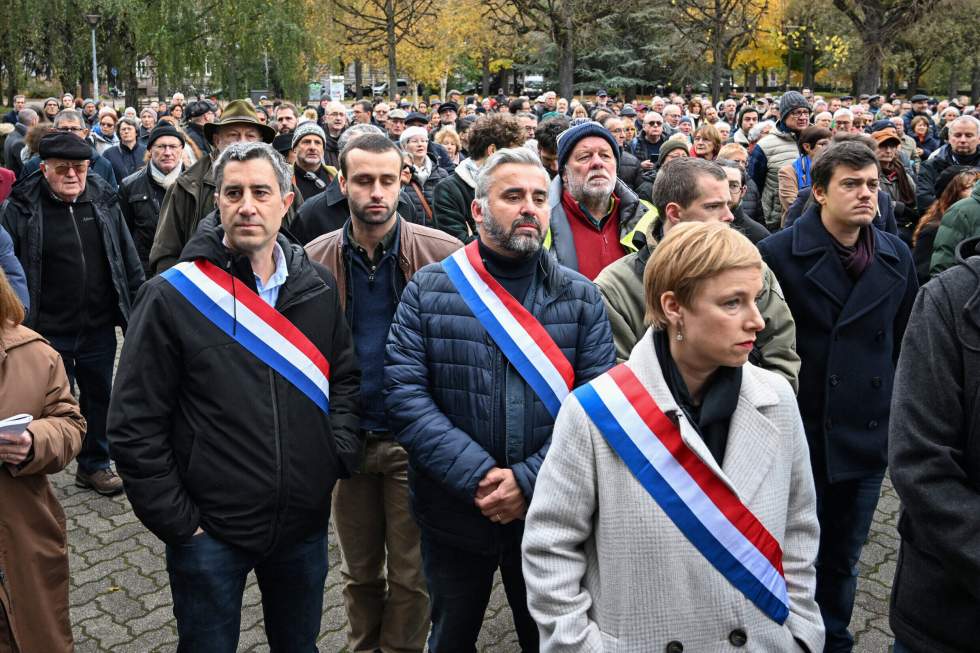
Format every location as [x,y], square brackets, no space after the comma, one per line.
[192,197]
[776,149]
[594,215]
[452,197]
[311,175]
[141,193]
[82,276]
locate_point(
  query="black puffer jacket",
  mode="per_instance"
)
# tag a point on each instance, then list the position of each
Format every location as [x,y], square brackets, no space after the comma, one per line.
[629,170]
[214,437]
[140,199]
[21,216]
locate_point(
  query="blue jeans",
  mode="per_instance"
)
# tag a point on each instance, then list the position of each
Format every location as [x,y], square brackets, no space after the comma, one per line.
[460,583]
[207,582]
[89,357]
[845,511]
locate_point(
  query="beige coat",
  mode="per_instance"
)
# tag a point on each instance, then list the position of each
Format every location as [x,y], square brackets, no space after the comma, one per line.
[33,553]
[607,570]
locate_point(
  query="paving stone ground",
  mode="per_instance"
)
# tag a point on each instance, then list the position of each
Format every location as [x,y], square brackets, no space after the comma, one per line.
[120,598]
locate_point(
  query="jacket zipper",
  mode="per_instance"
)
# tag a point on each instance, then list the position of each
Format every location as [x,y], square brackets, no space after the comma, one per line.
[81,251]
[278,441]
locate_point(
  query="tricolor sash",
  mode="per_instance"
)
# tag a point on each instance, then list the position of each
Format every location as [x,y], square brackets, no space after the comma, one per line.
[701,505]
[521,338]
[259,328]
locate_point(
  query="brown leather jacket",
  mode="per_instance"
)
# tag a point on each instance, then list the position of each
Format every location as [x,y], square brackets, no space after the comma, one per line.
[418,246]
[33,545]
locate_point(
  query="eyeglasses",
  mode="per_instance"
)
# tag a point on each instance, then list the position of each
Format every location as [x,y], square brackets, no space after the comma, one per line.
[70,130]
[165,148]
[656,123]
[107,124]
[62,168]
[799,113]
[337,114]
[735,185]
[621,130]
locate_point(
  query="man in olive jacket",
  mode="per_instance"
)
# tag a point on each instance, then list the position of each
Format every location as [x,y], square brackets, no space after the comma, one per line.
[191,198]
[690,192]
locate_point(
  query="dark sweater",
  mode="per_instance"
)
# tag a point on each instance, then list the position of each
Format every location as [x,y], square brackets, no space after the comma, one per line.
[373,292]
[75,279]
[516,276]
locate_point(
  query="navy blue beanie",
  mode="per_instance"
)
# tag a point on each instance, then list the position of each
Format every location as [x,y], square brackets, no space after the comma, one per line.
[568,138]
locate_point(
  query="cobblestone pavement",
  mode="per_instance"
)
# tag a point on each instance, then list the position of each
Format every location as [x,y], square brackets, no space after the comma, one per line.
[120,600]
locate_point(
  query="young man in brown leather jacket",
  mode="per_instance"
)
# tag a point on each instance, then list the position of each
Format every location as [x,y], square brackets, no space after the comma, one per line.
[372,257]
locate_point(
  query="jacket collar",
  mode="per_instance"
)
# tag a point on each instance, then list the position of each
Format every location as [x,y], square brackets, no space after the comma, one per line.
[823,268]
[199,174]
[752,438]
[302,277]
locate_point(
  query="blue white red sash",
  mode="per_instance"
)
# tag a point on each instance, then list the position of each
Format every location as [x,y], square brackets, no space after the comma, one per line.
[521,338]
[259,328]
[700,504]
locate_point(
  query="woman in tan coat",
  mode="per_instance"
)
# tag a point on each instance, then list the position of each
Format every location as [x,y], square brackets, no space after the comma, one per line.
[33,552]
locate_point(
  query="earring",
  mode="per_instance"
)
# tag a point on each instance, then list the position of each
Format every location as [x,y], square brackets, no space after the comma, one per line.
[679,336]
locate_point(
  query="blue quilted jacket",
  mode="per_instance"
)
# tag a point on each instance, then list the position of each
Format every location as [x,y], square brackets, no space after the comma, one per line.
[443,379]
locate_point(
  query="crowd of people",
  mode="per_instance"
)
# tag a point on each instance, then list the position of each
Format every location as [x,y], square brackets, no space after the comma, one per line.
[649,361]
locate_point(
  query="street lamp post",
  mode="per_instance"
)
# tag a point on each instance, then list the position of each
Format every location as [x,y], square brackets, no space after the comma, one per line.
[93,21]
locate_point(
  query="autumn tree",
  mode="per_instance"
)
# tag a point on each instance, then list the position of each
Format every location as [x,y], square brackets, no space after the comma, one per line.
[877,23]
[720,28]
[561,21]
[386,23]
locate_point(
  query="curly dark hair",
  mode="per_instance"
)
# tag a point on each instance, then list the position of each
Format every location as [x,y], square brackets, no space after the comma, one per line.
[498,129]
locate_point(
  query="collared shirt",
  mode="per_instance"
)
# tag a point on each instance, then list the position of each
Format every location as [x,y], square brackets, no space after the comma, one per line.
[386,243]
[269,291]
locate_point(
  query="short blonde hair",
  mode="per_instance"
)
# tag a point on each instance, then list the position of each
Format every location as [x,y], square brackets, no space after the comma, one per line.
[690,254]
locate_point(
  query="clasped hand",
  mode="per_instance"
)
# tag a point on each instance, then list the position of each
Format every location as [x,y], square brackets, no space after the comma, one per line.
[499,497]
[14,449]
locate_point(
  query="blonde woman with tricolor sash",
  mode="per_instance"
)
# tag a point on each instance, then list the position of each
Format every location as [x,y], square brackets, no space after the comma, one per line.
[675,510]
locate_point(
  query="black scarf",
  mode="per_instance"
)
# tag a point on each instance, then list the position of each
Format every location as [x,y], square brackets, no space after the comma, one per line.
[712,418]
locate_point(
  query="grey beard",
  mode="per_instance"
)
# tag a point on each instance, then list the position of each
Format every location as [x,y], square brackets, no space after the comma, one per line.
[588,195]
[522,245]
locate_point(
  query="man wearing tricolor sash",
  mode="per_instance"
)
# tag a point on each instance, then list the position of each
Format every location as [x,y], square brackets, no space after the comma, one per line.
[483,349]
[235,411]
[676,508]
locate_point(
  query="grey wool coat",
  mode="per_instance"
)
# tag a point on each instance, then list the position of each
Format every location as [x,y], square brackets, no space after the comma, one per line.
[608,571]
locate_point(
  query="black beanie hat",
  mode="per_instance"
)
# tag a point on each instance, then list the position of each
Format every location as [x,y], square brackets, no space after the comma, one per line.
[164,129]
